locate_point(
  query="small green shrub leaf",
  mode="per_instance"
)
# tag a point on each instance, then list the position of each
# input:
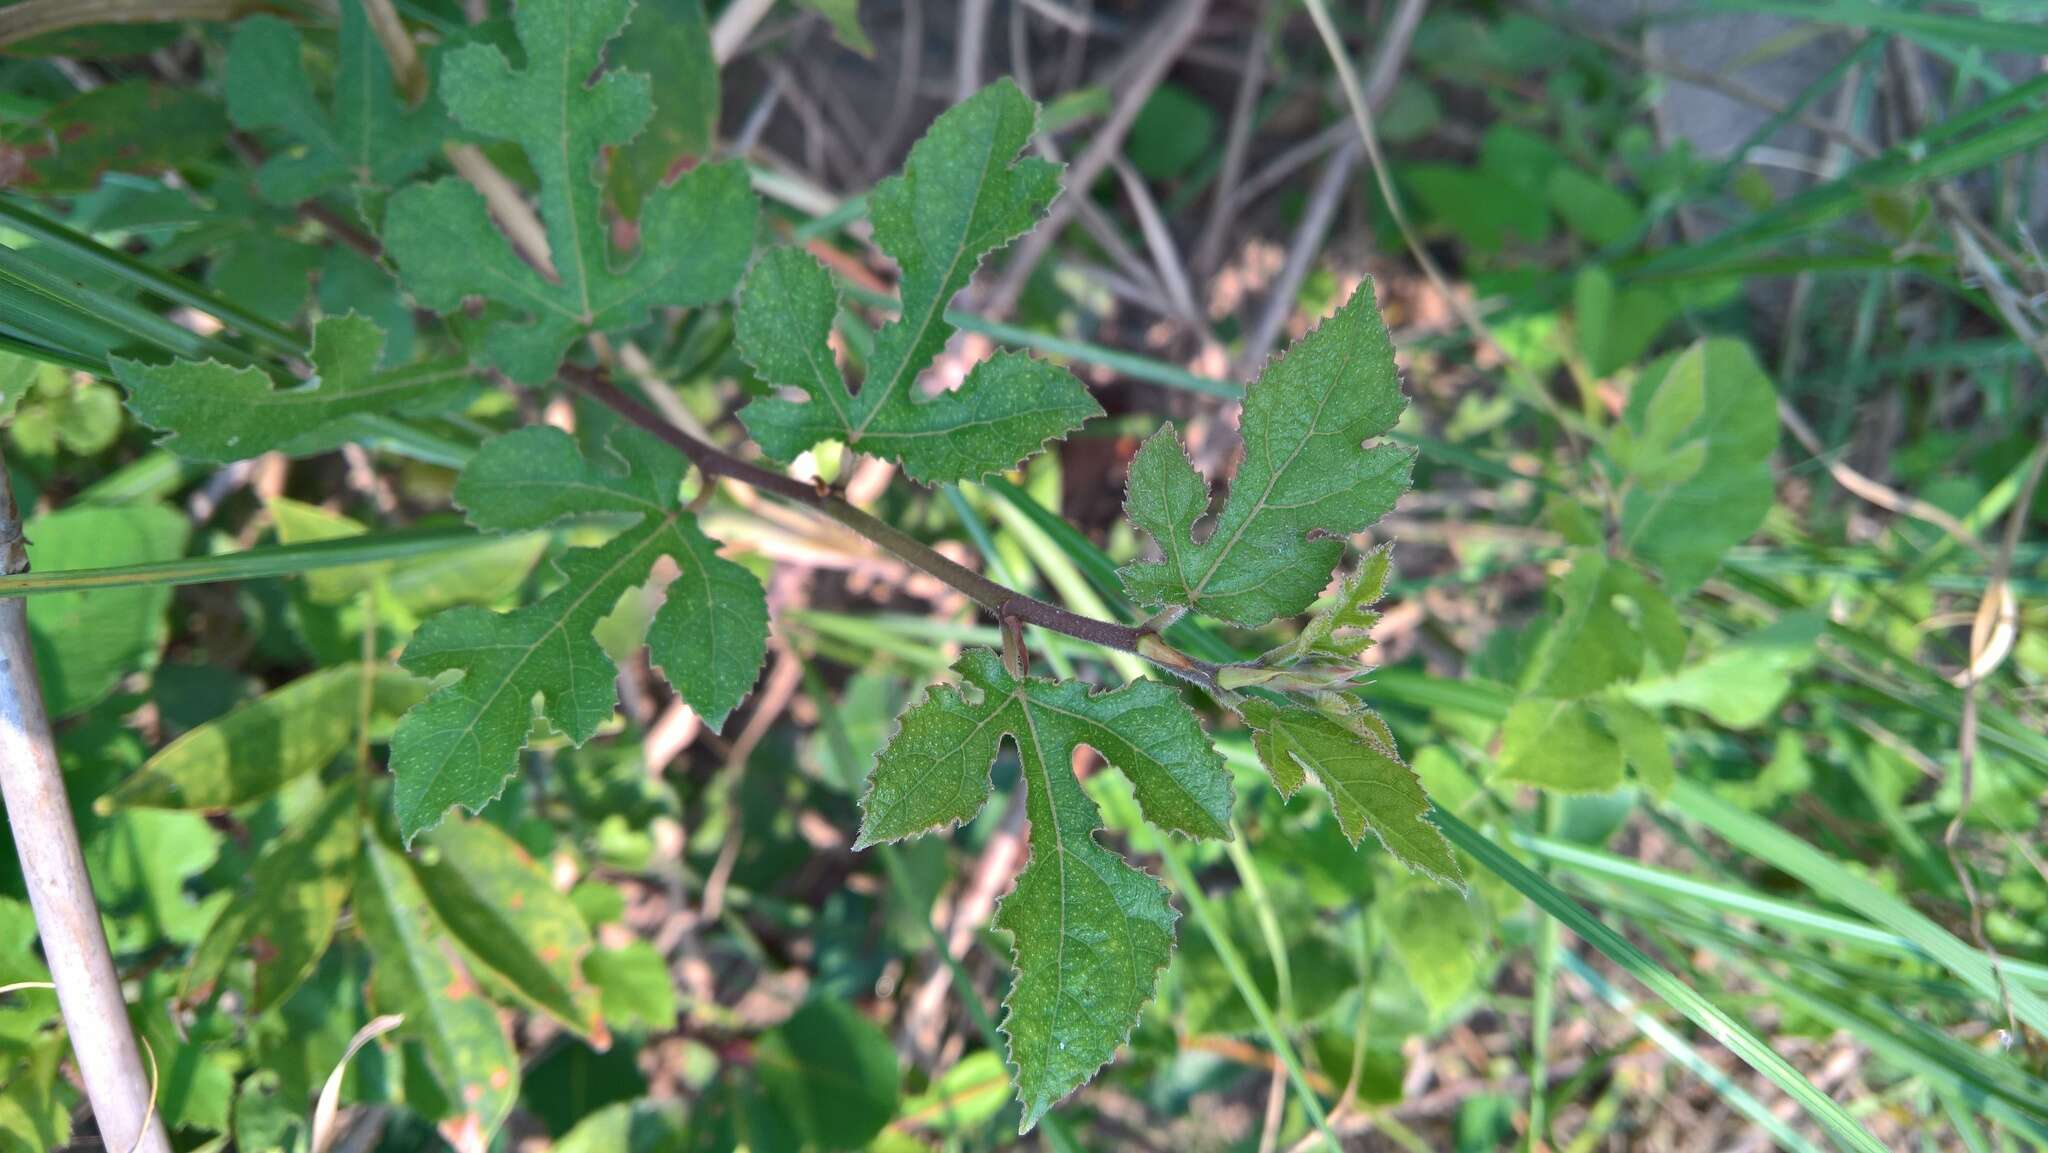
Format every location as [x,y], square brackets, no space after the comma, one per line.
[495,900]
[1680,521]
[287,916]
[370,139]
[695,234]
[832,1072]
[420,974]
[1090,931]
[86,641]
[960,196]
[217,412]
[461,744]
[1306,480]
[1554,744]
[267,743]
[1370,787]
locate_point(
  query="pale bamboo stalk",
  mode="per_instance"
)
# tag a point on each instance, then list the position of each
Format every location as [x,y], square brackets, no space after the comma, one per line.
[59,891]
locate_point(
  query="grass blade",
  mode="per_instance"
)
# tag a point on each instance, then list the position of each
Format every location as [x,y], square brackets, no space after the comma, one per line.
[1702,1012]
[249,564]
[1769,843]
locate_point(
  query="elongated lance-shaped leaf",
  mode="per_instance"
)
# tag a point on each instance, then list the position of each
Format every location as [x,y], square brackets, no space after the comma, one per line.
[492,896]
[370,139]
[1090,931]
[961,195]
[1370,787]
[1306,480]
[218,412]
[461,744]
[287,917]
[695,234]
[265,744]
[419,973]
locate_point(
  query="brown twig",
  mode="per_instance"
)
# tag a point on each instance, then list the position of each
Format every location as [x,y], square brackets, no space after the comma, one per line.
[998,600]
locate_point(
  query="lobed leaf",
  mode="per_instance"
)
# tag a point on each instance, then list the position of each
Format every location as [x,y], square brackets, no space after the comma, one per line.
[695,234]
[1306,480]
[218,412]
[1370,787]
[1090,931]
[461,744]
[370,139]
[962,194]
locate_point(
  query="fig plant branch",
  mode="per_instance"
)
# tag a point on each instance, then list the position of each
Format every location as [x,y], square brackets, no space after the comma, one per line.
[999,600]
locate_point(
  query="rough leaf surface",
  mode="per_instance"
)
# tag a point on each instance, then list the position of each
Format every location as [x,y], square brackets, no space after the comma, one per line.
[1090,931]
[492,896]
[419,973]
[961,195]
[370,139]
[1306,480]
[695,234]
[1370,787]
[461,744]
[217,412]
[287,917]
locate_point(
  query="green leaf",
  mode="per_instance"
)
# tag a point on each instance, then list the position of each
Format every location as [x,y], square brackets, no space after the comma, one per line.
[1090,932]
[695,234]
[1740,685]
[1304,484]
[420,975]
[1589,644]
[267,743]
[1555,744]
[1641,737]
[286,918]
[19,375]
[495,900]
[1370,787]
[1342,629]
[961,195]
[214,411]
[298,523]
[962,1099]
[844,17]
[370,139]
[629,1127]
[669,41]
[1592,207]
[86,641]
[709,638]
[833,1073]
[634,987]
[130,126]
[267,1120]
[1439,942]
[1681,526]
